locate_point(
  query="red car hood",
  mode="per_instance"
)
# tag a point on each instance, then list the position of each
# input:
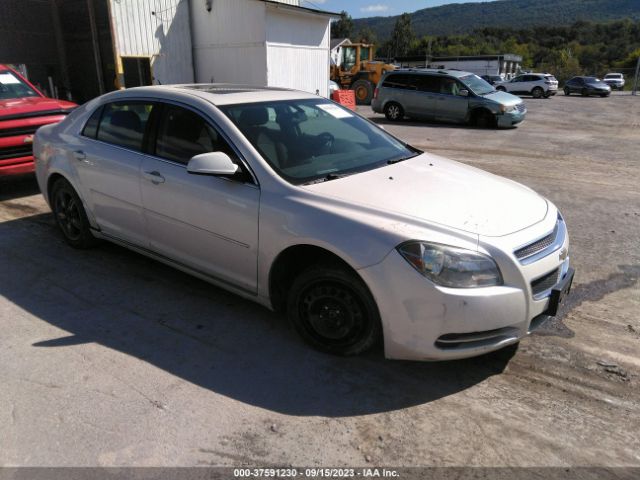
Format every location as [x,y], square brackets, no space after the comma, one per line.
[14,107]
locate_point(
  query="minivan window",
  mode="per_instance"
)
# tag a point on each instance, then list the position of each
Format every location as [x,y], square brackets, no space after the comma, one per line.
[184,134]
[124,123]
[403,81]
[314,139]
[428,83]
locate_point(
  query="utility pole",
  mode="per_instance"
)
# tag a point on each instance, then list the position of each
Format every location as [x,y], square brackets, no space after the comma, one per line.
[635,81]
[96,46]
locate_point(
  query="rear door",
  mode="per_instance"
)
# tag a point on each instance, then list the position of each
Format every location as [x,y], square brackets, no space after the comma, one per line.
[108,163]
[425,96]
[207,223]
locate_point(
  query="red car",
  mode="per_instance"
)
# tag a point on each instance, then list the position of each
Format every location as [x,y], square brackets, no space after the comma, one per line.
[23,108]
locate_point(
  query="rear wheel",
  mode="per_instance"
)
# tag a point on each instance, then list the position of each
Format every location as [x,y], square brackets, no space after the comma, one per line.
[70,215]
[333,311]
[394,112]
[501,89]
[363,90]
[537,92]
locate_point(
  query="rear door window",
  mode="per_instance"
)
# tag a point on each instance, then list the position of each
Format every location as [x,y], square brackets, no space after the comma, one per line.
[401,81]
[124,124]
[428,83]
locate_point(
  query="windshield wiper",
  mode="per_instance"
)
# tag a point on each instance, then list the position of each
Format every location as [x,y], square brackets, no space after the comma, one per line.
[402,159]
[328,177]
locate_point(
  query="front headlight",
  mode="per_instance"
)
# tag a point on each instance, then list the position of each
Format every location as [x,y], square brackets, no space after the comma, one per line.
[508,108]
[451,266]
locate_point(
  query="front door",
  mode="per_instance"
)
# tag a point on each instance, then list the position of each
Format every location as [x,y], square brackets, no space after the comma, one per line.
[450,105]
[207,223]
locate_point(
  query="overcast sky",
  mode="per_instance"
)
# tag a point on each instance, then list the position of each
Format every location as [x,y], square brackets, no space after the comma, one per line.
[373,8]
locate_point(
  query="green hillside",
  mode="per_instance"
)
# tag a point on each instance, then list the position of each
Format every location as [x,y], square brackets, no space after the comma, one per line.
[465,17]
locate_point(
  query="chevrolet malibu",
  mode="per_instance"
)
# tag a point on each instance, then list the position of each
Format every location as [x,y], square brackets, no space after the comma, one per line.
[303,206]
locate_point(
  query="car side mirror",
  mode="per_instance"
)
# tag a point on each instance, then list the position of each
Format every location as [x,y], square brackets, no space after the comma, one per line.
[212,163]
[463,93]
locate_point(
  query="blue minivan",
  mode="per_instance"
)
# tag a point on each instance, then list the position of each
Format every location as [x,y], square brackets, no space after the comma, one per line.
[445,95]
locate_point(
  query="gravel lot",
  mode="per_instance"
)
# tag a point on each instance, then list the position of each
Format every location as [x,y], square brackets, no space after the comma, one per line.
[111,359]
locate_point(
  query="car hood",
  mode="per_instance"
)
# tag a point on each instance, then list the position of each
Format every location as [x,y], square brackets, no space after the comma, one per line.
[503,98]
[436,190]
[11,107]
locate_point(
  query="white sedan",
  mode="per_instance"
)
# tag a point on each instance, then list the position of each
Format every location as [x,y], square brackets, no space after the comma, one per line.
[301,205]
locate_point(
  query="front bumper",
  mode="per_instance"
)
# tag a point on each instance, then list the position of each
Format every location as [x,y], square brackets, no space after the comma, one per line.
[510,119]
[423,321]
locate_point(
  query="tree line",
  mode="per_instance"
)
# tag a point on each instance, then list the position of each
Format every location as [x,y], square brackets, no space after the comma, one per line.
[582,48]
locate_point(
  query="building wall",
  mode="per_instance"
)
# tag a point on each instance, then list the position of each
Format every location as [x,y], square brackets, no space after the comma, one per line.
[158,29]
[229,41]
[297,50]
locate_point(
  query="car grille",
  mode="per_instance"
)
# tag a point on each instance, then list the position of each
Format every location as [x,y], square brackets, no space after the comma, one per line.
[545,282]
[538,245]
[14,132]
[15,152]
[521,107]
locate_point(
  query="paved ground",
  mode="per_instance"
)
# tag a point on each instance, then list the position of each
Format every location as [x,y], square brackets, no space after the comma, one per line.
[108,358]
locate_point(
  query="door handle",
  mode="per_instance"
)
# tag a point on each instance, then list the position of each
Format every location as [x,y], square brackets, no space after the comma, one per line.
[154,177]
[80,155]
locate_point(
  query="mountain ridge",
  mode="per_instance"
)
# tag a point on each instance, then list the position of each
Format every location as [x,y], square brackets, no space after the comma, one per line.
[462,18]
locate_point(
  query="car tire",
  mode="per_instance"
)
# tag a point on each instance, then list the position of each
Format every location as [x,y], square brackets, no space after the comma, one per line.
[603,95]
[363,90]
[501,89]
[333,311]
[393,111]
[584,92]
[70,215]
[537,92]
[567,92]
[484,119]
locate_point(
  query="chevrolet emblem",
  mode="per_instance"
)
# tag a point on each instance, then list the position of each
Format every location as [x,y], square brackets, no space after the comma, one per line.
[564,253]
[28,139]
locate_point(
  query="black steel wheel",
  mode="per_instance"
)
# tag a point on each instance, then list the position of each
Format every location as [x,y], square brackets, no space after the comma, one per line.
[333,311]
[394,112]
[70,215]
[484,119]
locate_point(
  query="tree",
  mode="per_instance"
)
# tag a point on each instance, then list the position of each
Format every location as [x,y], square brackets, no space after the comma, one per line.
[342,28]
[366,35]
[402,36]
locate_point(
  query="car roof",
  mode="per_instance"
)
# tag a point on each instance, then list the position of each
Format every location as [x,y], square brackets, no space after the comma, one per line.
[432,71]
[223,93]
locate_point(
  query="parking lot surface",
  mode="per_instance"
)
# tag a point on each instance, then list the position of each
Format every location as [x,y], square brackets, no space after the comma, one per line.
[111,359]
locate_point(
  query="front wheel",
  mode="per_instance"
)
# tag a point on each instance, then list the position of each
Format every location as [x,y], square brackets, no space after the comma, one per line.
[484,119]
[394,112]
[501,89]
[333,311]
[537,92]
[70,215]
[584,92]
[567,91]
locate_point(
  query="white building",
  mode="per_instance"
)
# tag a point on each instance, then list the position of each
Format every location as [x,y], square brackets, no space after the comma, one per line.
[255,42]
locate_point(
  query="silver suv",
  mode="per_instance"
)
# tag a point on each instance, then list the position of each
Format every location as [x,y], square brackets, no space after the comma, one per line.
[447,95]
[536,84]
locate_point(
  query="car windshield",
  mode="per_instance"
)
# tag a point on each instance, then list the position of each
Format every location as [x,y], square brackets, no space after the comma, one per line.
[11,86]
[591,79]
[477,85]
[311,140]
